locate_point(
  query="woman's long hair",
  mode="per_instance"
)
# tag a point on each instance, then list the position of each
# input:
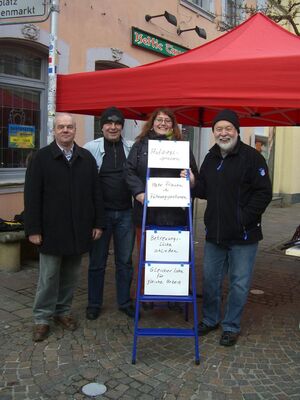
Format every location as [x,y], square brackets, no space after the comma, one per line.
[149,124]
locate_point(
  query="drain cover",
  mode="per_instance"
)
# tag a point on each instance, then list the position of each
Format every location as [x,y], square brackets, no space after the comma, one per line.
[94,389]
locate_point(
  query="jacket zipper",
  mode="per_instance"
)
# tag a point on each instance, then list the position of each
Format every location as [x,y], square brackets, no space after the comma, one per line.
[115,155]
[219,167]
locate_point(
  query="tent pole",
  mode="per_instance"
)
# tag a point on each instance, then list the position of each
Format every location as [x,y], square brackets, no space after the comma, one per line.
[198,159]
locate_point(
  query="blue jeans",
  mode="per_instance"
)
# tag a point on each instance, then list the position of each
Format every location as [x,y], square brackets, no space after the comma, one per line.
[119,225]
[58,279]
[237,262]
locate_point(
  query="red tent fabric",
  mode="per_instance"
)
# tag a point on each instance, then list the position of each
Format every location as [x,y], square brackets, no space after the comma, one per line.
[253,69]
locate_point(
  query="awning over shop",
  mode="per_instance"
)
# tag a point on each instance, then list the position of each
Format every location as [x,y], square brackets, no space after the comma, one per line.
[253,69]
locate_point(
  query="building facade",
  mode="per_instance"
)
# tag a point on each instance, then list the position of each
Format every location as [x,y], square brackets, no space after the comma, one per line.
[92,35]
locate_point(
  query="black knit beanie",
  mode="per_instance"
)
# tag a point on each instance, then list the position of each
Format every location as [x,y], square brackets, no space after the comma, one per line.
[227,115]
[111,114]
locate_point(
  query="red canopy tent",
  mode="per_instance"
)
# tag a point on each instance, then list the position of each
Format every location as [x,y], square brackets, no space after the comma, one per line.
[253,69]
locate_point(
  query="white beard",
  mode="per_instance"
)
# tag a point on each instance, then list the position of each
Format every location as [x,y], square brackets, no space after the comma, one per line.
[227,147]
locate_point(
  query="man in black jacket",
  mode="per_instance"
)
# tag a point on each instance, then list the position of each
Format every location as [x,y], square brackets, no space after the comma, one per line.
[235,182]
[110,153]
[63,215]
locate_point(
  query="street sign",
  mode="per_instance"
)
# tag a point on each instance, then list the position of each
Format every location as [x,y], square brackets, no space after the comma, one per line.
[22,8]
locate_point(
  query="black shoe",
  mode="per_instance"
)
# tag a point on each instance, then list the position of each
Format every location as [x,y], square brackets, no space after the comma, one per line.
[129,311]
[229,338]
[204,329]
[92,313]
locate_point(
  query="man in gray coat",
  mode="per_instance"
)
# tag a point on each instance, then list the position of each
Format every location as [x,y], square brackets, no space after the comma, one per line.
[63,215]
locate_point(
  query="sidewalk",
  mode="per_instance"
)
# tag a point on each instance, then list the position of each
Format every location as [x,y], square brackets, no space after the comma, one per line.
[265,363]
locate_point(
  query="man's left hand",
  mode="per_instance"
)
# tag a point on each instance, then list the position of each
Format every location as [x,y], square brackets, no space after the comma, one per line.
[97,233]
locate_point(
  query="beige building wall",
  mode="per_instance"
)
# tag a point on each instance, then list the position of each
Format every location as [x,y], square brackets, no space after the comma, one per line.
[11,204]
[90,31]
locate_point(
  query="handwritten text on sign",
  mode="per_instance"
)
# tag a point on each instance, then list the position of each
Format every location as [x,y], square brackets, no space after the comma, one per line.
[168,192]
[167,245]
[168,154]
[167,279]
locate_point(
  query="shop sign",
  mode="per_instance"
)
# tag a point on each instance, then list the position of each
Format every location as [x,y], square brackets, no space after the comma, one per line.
[21,136]
[154,43]
[22,8]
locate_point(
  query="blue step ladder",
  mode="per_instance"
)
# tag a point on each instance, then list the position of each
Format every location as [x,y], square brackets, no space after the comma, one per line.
[190,298]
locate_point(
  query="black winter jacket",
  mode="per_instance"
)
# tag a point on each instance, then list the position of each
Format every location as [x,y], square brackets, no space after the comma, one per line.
[136,171]
[63,200]
[238,190]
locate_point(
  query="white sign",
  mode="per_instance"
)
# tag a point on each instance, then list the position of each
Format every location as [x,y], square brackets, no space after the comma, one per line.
[168,154]
[166,279]
[167,245]
[168,192]
[293,251]
[22,8]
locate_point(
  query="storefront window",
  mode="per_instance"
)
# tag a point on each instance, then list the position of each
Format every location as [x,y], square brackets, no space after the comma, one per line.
[23,77]
[264,142]
[19,125]
[188,134]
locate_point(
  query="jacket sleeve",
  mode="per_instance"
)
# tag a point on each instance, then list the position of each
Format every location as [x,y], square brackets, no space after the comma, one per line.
[93,148]
[200,182]
[260,192]
[134,182]
[33,197]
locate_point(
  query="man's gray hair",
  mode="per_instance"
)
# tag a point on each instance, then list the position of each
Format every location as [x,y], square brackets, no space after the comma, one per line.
[60,114]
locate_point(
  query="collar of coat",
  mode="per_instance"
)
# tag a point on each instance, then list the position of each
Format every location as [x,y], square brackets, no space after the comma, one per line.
[56,151]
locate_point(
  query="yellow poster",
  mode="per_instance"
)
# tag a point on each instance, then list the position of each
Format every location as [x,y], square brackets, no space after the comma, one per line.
[21,136]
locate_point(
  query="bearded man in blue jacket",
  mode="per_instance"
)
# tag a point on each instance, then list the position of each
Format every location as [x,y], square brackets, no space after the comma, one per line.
[235,182]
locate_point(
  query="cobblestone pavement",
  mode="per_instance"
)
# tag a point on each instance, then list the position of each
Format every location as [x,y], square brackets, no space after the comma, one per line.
[265,363]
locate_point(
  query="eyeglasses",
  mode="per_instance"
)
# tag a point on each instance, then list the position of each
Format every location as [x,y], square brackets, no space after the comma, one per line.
[227,129]
[165,120]
[61,127]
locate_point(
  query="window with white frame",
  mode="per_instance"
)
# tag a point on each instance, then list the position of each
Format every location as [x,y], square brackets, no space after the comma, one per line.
[201,5]
[233,13]
[22,99]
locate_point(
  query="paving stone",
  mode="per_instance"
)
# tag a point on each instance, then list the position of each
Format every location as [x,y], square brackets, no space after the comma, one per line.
[20,396]
[90,373]
[252,396]
[135,394]
[7,317]
[5,396]
[145,396]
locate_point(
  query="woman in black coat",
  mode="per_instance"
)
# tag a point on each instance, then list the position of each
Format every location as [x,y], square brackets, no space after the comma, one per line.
[161,125]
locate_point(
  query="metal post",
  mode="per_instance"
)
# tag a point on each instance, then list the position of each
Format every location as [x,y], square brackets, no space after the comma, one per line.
[52,69]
